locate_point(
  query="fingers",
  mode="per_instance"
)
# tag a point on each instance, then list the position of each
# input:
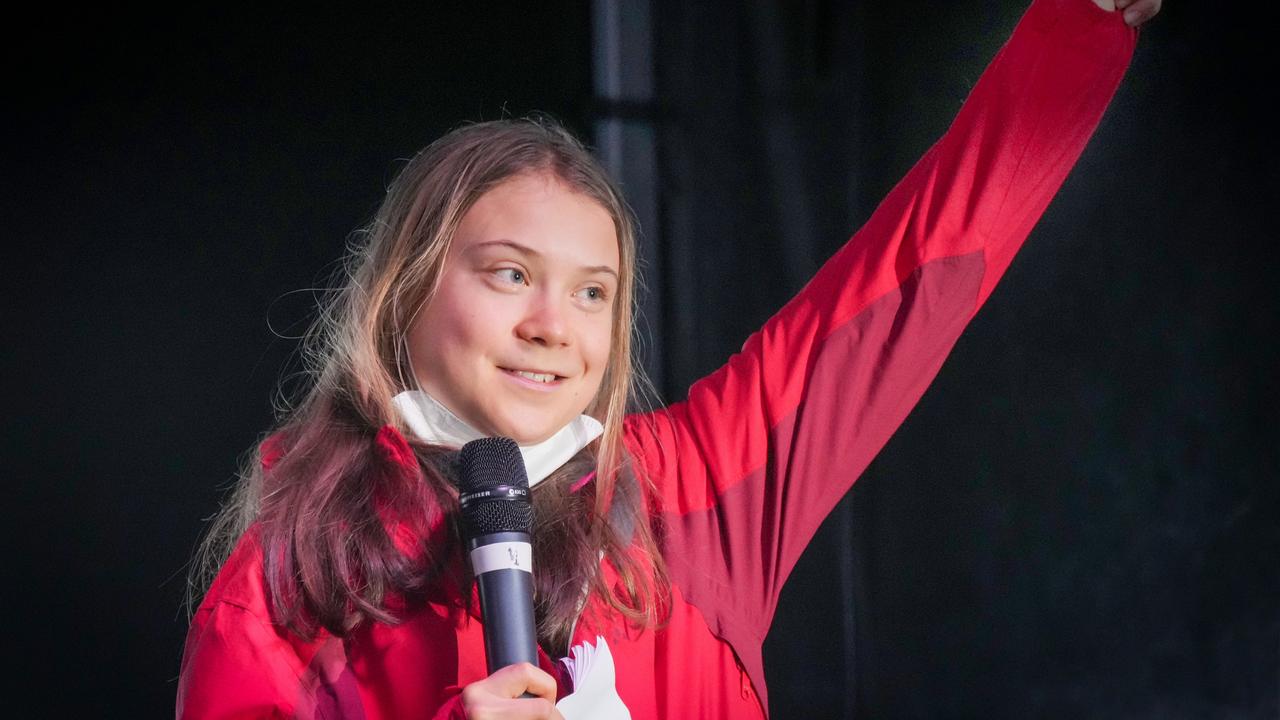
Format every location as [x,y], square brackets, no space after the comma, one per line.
[536,682]
[498,696]
[512,709]
[515,680]
[1137,12]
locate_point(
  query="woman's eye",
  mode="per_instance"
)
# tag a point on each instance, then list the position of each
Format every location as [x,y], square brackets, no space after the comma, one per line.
[593,294]
[515,276]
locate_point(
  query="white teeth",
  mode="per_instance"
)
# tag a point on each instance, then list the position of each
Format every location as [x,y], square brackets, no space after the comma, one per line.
[536,377]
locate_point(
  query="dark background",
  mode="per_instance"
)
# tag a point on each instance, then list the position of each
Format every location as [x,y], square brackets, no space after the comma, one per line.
[1078,519]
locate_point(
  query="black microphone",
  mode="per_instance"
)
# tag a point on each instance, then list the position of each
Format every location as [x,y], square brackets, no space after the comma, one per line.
[497,518]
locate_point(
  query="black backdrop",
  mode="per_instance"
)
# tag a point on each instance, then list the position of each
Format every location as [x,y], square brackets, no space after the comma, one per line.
[1078,518]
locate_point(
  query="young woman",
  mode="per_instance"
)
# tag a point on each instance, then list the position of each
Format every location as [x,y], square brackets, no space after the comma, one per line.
[493,297]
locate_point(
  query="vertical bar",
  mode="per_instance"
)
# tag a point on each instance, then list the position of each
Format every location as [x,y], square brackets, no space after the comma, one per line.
[623,77]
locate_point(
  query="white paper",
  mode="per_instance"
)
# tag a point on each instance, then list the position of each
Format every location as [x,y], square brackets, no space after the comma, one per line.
[595,691]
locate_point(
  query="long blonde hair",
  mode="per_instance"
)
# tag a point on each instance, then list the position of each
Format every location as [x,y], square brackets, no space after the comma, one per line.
[317,491]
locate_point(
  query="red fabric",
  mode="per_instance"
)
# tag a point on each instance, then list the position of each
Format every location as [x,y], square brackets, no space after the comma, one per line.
[749,465]
[394,447]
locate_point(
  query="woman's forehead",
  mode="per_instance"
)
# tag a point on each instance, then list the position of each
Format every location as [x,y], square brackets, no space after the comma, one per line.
[542,216]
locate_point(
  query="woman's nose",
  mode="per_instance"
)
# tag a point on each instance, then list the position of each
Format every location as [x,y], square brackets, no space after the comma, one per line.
[545,323]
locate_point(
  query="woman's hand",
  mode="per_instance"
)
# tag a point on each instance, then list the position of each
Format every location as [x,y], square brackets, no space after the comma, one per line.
[498,696]
[1136,12]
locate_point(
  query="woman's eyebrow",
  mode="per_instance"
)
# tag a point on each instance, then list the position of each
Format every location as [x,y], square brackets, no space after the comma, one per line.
[526,250]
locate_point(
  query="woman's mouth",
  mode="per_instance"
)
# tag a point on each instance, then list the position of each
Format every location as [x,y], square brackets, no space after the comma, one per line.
[542,378]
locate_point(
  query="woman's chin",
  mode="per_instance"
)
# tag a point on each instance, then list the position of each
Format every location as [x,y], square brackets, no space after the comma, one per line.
[527,424]
[523,434]
[526,439]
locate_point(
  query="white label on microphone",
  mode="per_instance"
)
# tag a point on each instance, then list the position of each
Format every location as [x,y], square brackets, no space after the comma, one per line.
[502,556]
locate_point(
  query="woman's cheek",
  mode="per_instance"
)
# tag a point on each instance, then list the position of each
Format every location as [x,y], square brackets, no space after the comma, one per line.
[599,356]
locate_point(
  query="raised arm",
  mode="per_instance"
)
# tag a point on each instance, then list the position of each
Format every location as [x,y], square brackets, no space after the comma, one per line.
[750,464]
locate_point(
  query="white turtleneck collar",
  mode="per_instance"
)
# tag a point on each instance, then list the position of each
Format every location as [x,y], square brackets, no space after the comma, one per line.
[434,423]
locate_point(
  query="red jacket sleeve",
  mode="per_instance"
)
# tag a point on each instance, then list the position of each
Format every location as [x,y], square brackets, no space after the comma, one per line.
[760,452]
[236,666]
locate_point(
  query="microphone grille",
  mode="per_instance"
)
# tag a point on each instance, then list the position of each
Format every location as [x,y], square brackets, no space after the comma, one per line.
[490,464]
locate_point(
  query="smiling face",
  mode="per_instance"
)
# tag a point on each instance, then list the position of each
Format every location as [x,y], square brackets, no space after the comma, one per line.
[516,339]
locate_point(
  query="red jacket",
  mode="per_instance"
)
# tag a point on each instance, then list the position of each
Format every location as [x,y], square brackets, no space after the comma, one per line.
[749,465]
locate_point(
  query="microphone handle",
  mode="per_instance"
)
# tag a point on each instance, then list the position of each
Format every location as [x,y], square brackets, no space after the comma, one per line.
[506,602]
